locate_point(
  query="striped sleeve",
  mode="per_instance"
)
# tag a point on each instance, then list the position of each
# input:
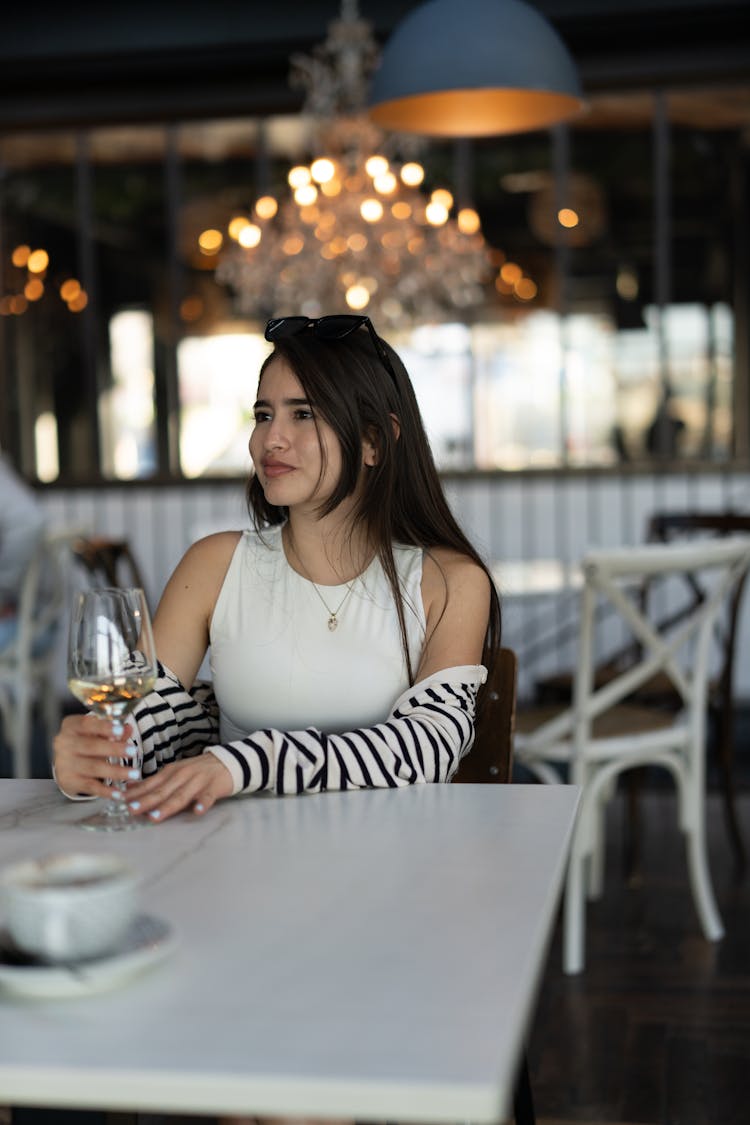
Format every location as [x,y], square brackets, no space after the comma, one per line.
[172,723]
[428,731]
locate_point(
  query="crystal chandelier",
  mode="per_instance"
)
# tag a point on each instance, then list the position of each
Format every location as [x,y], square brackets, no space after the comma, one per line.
[356,229]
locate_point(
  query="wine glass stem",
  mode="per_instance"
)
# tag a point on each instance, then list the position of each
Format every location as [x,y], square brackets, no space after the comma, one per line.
[115,806]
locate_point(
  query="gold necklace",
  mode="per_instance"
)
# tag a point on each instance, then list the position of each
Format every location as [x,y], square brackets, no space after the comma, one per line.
[333,622]
[333,613]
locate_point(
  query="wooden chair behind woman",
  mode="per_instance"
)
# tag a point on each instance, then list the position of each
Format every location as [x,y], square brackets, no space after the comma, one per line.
[108,562]
[491,757]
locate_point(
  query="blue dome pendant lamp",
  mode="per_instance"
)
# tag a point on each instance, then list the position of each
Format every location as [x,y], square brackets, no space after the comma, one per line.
[473,68]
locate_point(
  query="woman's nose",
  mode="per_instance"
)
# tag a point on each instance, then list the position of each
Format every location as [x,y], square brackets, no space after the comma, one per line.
[275,436]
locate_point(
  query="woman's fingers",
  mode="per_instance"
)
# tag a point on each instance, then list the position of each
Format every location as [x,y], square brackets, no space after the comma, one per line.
[83,753]
[196,784]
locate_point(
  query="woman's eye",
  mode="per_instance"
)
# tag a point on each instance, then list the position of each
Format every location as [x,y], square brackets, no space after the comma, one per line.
[302,414]
[260,416]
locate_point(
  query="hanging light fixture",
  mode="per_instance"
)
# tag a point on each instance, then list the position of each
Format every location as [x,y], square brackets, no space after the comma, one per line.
[471,68]
[356,228]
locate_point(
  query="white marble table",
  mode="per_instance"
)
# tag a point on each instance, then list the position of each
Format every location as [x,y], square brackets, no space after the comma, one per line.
[368,954]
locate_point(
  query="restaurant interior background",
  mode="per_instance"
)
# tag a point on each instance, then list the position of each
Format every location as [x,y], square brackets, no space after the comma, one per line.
[574,378]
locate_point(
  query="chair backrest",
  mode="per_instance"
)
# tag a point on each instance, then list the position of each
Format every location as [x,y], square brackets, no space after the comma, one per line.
[108,562]
[491,757]
[666,527]
[678,648]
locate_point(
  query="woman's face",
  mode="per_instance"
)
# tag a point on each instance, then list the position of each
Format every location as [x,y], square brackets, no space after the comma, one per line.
[297,455]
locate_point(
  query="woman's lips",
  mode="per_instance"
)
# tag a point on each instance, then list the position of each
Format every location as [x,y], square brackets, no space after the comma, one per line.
[277,469]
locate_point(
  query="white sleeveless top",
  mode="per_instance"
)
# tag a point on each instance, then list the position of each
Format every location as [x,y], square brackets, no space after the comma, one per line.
[275,663]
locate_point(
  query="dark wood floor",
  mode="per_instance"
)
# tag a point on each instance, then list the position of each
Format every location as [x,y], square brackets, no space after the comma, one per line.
[657,1028]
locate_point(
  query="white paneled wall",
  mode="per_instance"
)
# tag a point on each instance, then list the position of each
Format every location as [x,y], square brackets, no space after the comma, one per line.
[507,516]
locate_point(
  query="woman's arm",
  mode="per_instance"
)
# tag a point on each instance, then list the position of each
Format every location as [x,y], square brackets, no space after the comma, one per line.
[429,729]
[183,617]
[456,598]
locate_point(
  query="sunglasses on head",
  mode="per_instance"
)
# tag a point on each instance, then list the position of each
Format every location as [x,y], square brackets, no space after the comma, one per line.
[329,328]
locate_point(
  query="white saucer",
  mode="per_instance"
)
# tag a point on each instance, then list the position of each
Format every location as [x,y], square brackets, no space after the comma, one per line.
[147,941]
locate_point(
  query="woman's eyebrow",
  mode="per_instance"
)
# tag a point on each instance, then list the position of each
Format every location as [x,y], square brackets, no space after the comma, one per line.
[284,402]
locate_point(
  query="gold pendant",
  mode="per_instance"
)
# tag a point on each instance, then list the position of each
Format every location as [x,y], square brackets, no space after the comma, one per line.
[332,622]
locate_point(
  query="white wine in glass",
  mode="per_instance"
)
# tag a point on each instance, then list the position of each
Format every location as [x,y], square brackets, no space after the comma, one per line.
[111,665]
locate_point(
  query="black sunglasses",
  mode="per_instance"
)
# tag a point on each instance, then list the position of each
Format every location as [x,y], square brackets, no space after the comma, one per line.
[329,328]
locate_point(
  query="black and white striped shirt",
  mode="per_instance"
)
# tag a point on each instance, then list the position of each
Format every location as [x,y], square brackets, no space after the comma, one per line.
[429,729]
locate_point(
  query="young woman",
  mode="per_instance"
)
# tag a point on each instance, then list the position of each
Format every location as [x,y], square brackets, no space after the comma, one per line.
[349,632]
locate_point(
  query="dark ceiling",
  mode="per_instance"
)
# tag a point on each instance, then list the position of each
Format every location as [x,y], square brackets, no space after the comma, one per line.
[63,64]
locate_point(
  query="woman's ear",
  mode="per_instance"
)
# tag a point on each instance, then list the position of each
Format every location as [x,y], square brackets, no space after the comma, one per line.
[371,443]
[370,447]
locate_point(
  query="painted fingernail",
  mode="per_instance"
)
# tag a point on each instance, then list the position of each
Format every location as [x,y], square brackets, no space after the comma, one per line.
[134,805]
[199,807]
[134,775]
[155,814]
[116,794]
[131,750]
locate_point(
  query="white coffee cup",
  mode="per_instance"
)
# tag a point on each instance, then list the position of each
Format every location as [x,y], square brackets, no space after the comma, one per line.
[68,907]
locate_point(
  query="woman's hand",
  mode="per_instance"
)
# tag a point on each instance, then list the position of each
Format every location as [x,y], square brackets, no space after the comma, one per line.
[82,749]
[196,783]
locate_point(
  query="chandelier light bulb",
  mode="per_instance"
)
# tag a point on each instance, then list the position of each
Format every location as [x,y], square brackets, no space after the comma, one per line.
[331,188]
[266,207]
[386,183]
[376,166]
[442,195]
[249,236]
[436,213]
[299,176]
[412,174]
[371,210]
[322,170]
[305,195]
[237,224]
[468,220]
[293,245]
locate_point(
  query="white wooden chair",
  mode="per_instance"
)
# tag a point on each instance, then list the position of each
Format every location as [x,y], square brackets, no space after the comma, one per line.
[601,734]
[29,663]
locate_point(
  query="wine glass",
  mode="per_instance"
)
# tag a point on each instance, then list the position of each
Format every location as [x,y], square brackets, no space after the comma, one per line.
[111,665]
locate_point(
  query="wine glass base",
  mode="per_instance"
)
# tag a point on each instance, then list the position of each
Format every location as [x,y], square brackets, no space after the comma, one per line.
[118,821]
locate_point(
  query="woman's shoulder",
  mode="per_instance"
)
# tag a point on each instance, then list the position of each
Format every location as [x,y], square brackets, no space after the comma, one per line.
[449,571]
[219,546]
[217,549]
[452,562]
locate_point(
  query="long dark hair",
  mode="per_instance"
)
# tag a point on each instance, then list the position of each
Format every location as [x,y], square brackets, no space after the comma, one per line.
[401,499]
